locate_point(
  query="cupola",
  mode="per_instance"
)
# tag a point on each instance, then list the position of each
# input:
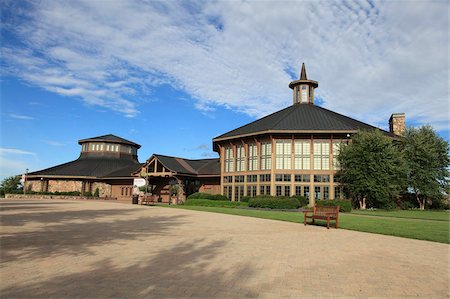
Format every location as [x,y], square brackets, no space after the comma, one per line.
[303,88]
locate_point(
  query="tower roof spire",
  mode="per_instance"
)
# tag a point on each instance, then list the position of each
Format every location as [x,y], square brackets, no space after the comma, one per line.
[303,72]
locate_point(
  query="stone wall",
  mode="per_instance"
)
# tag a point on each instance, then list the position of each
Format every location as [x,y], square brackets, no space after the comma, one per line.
[63,186]
[39,196]
[33,186]
[103,188]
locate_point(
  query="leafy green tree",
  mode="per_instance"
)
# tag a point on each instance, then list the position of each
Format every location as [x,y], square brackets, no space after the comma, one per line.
[427,161]
[372,169]
[10,184]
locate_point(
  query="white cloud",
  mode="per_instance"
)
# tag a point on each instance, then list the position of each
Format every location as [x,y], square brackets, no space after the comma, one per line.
[371,58]
[15,151]
[19,116]
[54,143]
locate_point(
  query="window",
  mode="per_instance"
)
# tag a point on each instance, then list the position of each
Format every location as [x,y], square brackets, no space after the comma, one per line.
[337,192]
[283,154]
[302,152]
[282,177]
[302,178]
[264,178]
[326,193]
[229,159]
[321,178]
[304,94]
[252,178]
[287,190]
[264,190]
[336,148]
[321,155]
[306,191]
[252,157]
[117,148]
[227,179]
[251,190]
[278,190]
[240,158]
[239,179]
[238,192]
[266,155]
[317,192]
[298,190]
[228,191]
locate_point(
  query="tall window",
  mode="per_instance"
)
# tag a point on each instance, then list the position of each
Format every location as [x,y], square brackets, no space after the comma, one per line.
[229,159]
[321,155]
[266,155]
[302,151]
[252,157]
[336,148]
[283,154]
[240,158]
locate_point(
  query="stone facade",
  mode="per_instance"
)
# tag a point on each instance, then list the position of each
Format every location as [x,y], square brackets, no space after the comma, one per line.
[397,124]
[103,188]
[64,185]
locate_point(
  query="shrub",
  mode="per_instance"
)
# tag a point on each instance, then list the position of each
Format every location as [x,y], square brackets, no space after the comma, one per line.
[344,205]
[213,203]
[245,198]
[87,194]
[270,202]
[200,195]
[302,200]
[97,193]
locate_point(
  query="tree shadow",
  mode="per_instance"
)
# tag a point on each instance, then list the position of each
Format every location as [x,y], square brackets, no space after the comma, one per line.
[187,269]
[76,238]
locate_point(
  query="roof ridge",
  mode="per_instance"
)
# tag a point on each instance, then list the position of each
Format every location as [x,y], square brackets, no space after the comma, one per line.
[184,158]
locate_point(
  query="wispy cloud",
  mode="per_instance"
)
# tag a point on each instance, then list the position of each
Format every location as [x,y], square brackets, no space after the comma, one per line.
[370,58]
[15,151]
[53,143]
[19,116]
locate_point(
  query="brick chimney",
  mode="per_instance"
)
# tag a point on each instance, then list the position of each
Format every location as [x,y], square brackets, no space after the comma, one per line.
[397,124]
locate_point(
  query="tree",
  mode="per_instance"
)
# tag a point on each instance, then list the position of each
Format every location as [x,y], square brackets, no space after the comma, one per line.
[372,169]
[427,162]
[10,184]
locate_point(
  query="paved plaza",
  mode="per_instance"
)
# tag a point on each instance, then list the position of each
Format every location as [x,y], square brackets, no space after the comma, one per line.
[56,248]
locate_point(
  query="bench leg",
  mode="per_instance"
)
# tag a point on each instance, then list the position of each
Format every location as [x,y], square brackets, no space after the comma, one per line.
[328,222]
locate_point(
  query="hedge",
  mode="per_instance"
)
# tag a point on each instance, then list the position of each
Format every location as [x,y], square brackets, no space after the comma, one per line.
[213,203]
[271,202]
[200,195]
[302,200]
[344,205]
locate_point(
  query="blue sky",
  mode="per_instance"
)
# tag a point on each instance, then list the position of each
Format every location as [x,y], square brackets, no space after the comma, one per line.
[172,75]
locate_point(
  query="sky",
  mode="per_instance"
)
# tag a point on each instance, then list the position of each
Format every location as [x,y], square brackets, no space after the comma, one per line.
[172,75]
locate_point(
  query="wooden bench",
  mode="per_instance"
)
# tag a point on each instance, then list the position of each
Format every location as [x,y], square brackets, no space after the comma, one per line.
[327,213]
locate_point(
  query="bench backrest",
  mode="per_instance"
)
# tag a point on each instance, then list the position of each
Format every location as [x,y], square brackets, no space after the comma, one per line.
[322,210]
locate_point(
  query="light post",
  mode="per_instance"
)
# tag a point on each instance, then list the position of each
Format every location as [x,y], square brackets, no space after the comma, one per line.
[25,181]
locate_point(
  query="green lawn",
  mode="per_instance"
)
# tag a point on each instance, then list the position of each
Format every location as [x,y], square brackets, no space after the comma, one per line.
[404,225]
[413,214]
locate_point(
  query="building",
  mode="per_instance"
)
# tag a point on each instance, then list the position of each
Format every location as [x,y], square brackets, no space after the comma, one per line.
[201,175]
[105,162]
[292,151]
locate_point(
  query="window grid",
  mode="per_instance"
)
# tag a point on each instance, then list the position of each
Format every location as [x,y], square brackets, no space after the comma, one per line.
[302,154]
[321,155]
[266,155]
[229,159]
[283,154]
[240,158]
[252,157]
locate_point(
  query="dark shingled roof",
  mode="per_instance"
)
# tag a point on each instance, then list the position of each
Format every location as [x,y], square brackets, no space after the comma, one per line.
[109,138]
[301,117]
[192,167]
[98,167]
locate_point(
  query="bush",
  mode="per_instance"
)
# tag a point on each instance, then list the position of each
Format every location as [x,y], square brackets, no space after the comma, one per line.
[344,205]
[200,195]
[213,203]
[302,200]
[270,202]
[97,193]
[245,198]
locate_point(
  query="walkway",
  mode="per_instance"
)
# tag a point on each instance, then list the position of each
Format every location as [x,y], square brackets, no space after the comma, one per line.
[100,249]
